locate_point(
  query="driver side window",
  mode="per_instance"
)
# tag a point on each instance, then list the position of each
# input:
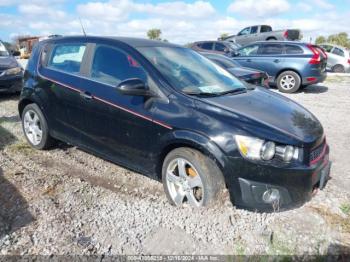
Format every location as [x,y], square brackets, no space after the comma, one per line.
[245,31]
[112,66]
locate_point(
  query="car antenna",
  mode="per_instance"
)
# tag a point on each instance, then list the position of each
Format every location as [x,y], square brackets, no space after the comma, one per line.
[82,27]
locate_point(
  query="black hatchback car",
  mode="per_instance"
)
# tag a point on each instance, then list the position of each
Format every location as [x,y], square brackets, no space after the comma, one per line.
[170,113]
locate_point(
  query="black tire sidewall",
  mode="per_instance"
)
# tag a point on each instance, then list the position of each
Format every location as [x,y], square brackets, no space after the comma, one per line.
[209,173]
[297,82]
[341,69]
[45,140]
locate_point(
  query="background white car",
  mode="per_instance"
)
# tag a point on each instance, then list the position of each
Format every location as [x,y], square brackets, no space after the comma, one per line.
[338,58]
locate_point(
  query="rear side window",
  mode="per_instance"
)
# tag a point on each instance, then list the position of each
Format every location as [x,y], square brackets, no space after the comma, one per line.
[294,49]
[206,45]
[338,51]
[271,49]
[67,57]
[112,66]
[220,47]
[328,48]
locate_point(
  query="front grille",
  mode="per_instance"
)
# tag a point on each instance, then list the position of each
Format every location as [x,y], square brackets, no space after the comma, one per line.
[317,153]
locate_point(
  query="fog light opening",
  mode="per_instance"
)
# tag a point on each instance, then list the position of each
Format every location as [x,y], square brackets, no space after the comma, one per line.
[271,196]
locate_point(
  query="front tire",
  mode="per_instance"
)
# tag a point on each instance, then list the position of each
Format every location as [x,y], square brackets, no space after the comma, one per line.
[288,82]
[35,127]
[190,177]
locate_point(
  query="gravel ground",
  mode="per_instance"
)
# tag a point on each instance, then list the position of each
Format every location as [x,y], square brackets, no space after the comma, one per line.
[65,201]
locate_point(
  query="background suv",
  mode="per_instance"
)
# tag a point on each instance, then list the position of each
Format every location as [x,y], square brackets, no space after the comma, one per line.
[338,58]
[289,64]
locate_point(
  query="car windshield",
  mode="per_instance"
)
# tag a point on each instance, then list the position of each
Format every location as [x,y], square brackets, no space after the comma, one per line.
[3,51]
[190,72]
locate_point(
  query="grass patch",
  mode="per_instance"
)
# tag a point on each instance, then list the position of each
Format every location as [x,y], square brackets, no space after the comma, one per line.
[21,147]
[345,208]
[334,220]
[280,247]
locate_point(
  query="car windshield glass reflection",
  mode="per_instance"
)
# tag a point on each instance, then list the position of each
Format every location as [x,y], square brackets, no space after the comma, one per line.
[190,72]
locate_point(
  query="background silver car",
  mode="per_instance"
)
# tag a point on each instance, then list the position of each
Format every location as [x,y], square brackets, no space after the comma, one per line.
[338,58]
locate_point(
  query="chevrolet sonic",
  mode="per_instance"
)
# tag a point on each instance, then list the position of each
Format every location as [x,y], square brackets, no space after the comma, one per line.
[170,113]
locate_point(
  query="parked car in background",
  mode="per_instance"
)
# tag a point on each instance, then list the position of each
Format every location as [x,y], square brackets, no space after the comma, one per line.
[261,33]
[172,114]
[338,58]
[289,64]
[251,76]
[11,72]
[217,47]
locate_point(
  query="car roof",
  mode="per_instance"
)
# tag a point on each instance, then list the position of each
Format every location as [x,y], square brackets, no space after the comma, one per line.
[281,42]
[131,41]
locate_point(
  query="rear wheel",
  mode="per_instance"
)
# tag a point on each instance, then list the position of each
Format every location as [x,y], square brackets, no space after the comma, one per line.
[288,82]
[190,177]
[338,69]
[35,127]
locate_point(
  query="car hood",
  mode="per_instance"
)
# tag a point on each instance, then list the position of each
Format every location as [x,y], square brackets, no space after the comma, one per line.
[274,111]
[7,62]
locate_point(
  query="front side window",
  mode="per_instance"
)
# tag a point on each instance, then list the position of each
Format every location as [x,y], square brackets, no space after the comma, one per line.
[112,66]
[245,31]
[271,49]
[248,50]
[254,30]
[190,72]
[67,57]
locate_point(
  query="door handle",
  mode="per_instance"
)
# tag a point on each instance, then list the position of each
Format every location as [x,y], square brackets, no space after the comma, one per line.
[86,95]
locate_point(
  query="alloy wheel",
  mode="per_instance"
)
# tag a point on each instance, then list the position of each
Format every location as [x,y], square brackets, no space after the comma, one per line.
[184,183]
[288,82]
[32,127]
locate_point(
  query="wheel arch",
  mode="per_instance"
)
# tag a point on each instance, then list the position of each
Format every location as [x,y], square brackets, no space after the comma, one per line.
[194,141]
[271,38]
[288,69]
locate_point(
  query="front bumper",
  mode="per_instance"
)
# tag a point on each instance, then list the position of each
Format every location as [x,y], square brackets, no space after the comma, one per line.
[295,184]
[11,83]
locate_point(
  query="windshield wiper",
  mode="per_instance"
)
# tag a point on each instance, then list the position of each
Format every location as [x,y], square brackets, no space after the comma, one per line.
[201,94]
[233,91]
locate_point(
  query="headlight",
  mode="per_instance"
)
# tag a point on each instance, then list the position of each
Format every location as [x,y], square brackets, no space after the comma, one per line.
[258,149]
[13,71]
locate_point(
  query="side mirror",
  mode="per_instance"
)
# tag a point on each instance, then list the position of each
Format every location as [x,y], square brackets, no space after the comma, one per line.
[134,87]
[234,53]
[16,53]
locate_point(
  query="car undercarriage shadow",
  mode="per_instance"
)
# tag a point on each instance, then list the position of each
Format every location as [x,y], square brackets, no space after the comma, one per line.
[314,89]
[14,212]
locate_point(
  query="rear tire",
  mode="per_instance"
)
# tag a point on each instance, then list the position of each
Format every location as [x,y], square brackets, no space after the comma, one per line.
[338,69]
[288,82]
[35,128]
[197,169]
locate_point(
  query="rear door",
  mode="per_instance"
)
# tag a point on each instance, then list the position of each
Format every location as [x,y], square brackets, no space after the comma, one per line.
[60,69]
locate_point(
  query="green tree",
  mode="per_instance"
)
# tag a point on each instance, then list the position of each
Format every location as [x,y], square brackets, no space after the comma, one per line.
[341,39]
[154,34]
[320,40]
[224,35]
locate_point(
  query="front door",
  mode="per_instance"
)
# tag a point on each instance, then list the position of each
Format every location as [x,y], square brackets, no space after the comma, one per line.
[117,126]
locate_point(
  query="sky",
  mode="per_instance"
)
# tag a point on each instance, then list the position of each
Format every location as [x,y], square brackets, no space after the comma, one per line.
[180,21]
